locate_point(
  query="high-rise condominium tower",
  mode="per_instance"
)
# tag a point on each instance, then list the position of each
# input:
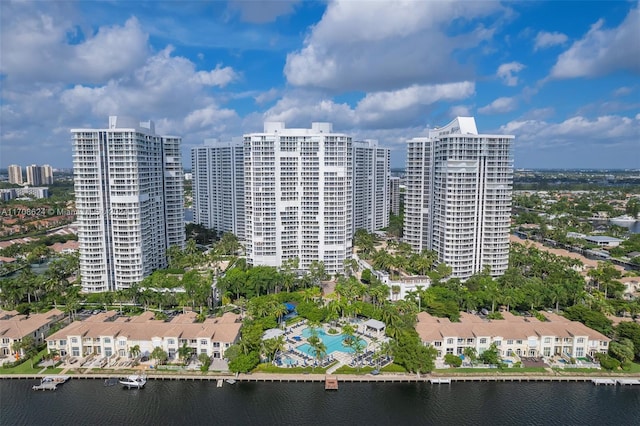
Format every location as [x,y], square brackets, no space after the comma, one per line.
[394,195]
[47,174]
[34,175]
[298,196]
[15,174]
[458,199]
[218,186]
[129,202]
[371,172]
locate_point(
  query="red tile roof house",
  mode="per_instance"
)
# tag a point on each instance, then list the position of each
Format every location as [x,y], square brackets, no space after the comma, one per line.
[110,335]
[521,336]
[15,327]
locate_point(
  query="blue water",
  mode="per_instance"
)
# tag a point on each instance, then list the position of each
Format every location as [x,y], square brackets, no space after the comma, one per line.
[333,343]
[288,361]
[195,403]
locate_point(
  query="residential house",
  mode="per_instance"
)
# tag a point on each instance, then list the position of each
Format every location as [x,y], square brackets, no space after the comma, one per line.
[513,335]
[14,327]
[112,335]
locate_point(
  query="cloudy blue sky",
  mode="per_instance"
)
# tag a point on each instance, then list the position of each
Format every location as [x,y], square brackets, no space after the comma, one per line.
[563,77]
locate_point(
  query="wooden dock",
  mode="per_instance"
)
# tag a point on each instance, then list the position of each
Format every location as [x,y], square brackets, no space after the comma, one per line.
[330,383]
[219,384]
[440,381]
[606,382]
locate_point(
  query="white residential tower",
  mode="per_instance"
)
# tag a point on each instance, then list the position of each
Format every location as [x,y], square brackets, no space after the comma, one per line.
[298,196]
[458,199]
[218,186]
[129,202]
[371,172]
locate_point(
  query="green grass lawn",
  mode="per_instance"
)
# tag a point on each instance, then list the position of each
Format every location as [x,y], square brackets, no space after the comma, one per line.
[25,367]
[635,368]
[492,370]
[345,369]
[393,368]
[578,370]
[270,368]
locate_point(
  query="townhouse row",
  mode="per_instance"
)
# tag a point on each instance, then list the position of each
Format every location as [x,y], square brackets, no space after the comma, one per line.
[112,335]
[513,335]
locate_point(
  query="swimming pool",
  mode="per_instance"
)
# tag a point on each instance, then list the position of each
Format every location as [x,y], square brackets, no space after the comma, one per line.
[332,342]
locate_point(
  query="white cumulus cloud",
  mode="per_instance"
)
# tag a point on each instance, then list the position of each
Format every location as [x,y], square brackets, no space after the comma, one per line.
[602,51]
[545,39]
[392,109]
[220,76]
[40,52]
[386,45]
[506,72]
[499,106]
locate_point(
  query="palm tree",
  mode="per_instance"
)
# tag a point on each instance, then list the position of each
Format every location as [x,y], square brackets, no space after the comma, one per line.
[159,355]
[349,331]
[279,310]
[358,347]
[318,349]
[470,352]
[184,352]
[134,351]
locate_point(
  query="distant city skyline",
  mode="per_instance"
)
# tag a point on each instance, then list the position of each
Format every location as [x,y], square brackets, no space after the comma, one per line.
[560,76]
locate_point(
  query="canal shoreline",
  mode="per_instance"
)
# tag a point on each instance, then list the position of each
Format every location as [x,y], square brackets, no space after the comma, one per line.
[345,378]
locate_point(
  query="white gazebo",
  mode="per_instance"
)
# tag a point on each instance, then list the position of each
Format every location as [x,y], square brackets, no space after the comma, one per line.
[373,328]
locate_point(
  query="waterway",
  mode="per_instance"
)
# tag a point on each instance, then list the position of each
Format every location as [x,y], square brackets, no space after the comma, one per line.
[88,402]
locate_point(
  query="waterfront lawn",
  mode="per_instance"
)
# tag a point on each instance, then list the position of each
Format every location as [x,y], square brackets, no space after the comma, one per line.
[635,368]
[270,368]
[522,370]
[579,370]
[393,368]
[25,367]
[345,369]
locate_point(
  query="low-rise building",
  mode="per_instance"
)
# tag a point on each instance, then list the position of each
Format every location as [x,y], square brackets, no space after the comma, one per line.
[401,287]
[14,327]
[603,240]
[110,334]
[513,335]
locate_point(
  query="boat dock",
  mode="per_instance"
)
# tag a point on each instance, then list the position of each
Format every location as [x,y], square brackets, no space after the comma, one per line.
[606,382]
[50,382]
[330,383]
[219,383]
[624,382]
[364,378]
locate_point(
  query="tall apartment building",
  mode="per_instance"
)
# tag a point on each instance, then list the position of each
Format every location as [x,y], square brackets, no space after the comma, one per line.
[394,195]
[47,174]
[458,199]
[15,174]
[371,172]
[129,202]
[34,175]
[298,196]
[218,186]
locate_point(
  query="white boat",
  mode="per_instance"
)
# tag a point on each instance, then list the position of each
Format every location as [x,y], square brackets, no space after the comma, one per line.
[135,381]
[55,379]
[623,220]
[231,381]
